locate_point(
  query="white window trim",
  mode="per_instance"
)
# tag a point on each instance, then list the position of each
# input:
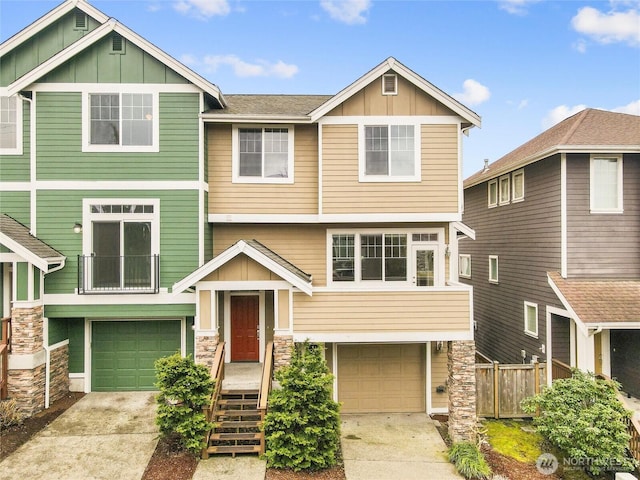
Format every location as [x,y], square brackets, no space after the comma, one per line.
[120,89]
[496,279]
[439,259]
[592,187]
[515,199]
[17,150]
[235,155]
[385,121]
[501,180]
[531,333]
[460,272]
[395,90]
[490,203]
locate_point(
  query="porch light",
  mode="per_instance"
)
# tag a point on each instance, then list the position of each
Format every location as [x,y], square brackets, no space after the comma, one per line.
[77,228]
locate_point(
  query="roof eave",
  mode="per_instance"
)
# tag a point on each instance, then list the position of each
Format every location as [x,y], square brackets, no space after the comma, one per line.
[40,262]
[239,118]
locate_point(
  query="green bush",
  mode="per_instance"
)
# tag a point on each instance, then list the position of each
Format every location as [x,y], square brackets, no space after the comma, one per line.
[583,417]
[185,388]
[9,414]
[469,460]
[302,426]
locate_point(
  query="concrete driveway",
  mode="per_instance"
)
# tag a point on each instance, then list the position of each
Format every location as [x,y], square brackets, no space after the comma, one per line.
[387,446]
[103,436]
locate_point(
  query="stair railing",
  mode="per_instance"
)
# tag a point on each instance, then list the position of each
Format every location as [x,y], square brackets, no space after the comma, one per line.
[265,388]
[217,373]
[5,348]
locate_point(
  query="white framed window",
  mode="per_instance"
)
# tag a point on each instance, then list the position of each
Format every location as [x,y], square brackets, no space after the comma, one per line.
[121,121]
[383,259]
[10,125]
[504,189]
[493,268]
[606,184]
[464,265]
[517,185]
[531,319]
[389,153]
[492,193]
[263,154]
[390,84]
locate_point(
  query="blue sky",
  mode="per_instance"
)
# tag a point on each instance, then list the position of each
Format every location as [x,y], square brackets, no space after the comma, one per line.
[522,65]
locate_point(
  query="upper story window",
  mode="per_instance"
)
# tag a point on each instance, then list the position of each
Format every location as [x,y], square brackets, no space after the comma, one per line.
[493,268]
[263,154]
[121,122]
[10,125]
[464,265]
[371,258]
[504,189]
[606,184]
[531,319]
[517,186]
[492,193]
[390,153]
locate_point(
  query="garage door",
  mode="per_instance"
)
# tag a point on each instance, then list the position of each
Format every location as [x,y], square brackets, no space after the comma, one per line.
[381,378]
[123,353]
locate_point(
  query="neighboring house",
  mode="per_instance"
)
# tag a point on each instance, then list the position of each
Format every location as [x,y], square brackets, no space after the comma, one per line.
[245,219]
[556,264]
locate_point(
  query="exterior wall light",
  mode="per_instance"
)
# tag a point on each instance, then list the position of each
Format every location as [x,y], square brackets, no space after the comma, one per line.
[77,228]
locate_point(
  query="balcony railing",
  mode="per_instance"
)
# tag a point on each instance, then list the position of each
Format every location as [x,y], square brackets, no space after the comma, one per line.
[118,274]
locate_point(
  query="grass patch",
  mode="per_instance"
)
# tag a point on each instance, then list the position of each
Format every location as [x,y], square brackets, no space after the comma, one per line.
[514,439]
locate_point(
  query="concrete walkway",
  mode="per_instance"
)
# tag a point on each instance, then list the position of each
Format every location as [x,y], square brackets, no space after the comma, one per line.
[103,436]
[394,446]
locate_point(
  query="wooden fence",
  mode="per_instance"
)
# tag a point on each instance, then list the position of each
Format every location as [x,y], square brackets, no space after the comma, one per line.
[501,387]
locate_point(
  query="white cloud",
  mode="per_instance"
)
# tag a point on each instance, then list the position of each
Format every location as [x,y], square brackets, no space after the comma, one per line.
[350,12]
[474,93]
[516,7]
[241,68]
[609,27]
[523,104]
[202,9]
[560,113]
[632,108]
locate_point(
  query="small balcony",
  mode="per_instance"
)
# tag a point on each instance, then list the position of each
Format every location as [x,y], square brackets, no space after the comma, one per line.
[118,274]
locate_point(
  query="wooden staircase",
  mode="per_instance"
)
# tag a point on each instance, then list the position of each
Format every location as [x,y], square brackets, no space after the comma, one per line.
[237,424]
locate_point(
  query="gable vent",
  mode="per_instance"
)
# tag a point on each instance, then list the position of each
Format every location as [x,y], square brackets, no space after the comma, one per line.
[390,84]
[117,44]
[81,22]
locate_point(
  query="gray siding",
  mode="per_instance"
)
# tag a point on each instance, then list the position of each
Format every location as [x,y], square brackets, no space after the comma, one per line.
[602,245]
[526,238]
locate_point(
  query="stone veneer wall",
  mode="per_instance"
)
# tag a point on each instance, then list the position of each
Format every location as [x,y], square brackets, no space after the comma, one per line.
[462,390]
[59,373]
[26,330]
[205,349]
[27,387]
[282,346]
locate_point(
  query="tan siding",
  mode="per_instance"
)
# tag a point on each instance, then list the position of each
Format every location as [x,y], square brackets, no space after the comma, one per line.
[371,312]
[283,309]
[436,193]
[300,197]
[205,309]
[305,247]
[439,374]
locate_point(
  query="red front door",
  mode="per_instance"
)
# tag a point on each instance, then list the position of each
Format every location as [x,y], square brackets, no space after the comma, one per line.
[245,340]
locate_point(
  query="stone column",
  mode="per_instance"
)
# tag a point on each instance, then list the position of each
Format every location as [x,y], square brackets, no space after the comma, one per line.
[27,380]
[59,373]
[205,349]
[282,346]
[462,390]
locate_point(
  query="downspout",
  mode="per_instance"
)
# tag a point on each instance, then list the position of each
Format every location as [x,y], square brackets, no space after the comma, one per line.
[47,374]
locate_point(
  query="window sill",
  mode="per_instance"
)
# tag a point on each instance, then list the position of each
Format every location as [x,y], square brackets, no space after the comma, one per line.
[263,181]
[120,149]
[11,151]
[617,211]
[531,334]
[387,179]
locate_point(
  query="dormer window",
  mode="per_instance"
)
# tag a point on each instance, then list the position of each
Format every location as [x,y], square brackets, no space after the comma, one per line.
[390,84]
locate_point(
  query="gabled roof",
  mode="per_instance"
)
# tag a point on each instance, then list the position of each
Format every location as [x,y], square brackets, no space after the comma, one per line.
[607,303]
[275,108]
[588,131]
[108,26]
[16,237]
[258,252]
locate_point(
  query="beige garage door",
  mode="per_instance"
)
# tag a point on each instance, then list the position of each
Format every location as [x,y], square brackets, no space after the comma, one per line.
[381,378]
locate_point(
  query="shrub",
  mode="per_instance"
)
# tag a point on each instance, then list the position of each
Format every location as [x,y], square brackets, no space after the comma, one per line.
[185,388]
[583,417]
[302,426]
[469,460]
[9,414]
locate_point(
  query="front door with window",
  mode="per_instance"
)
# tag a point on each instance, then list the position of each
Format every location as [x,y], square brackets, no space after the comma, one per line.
[424,273]
[245,325]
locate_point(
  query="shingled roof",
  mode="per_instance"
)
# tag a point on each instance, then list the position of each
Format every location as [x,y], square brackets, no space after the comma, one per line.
[293,105]
[599,301]
[17,237]
[586,131]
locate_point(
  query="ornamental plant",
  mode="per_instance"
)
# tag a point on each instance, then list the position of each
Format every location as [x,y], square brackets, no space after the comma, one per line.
[469,460]
[583,417]
[302,425]
[185,389]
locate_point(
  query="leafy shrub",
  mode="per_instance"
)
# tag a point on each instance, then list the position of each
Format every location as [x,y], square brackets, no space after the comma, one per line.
[185,388]
[469,460]
[583,417]
[9,413]
[302,425]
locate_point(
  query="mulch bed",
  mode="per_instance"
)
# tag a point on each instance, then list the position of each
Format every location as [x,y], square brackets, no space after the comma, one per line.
[170,462]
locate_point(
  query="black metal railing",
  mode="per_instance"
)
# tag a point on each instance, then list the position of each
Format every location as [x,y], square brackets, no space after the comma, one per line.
[118,274]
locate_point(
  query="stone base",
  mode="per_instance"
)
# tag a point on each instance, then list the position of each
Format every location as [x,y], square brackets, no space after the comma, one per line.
[27,388]
[59,373]
[462,391]
[282,348]
[205,349]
